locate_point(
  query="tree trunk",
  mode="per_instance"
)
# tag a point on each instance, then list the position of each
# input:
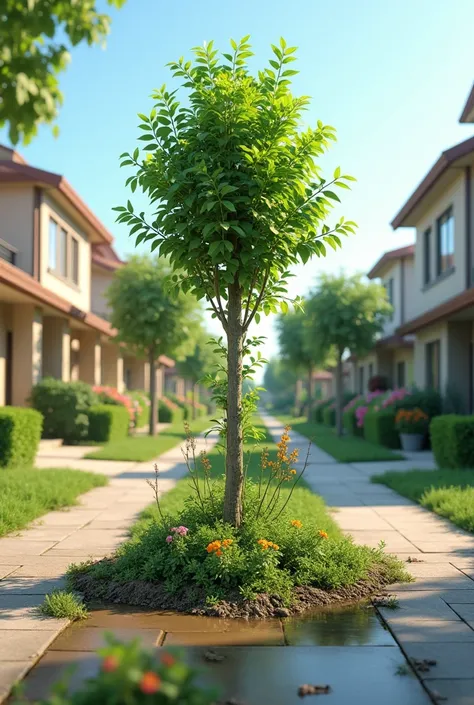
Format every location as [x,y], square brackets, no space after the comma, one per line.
[310,391]
[234,472]
[298,410]
[152,427]
[194,400]
[339,395]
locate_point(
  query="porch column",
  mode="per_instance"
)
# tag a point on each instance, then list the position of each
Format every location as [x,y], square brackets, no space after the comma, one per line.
[90,353]
[57,348]
[160,381]
[27,327]
[180,387]
[112,367]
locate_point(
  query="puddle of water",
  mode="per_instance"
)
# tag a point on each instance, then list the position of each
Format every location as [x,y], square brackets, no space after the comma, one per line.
[344,626]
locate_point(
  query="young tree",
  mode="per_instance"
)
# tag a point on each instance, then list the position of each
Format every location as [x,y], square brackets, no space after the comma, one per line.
[238,198]
[198,363]
[348,314]
[34,39]
[148,319]
[298,350]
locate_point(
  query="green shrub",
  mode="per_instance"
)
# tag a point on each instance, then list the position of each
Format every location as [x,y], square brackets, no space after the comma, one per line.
[329,416]
[318,409]
[62,604]
[64,406]
[379,428]
[20,434]
[428,400]
[108,423]
[142,416]
[452,441]
[349,421]
[169,412]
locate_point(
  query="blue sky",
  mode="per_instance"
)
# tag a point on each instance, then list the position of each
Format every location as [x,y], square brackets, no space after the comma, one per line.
[392,77]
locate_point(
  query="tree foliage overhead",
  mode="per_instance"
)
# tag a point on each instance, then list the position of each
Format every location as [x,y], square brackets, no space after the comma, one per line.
[238,194]
[35,38]
[298,349]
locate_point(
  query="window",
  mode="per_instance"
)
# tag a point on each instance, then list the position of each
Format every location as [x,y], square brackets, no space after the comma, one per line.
[361,380]
[75,260]
[445,242]
[433,365]
[389,290]
[53,228]
[427,256]
[63,252]
[400,374]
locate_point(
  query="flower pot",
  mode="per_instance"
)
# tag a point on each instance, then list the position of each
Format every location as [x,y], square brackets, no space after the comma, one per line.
[412,442]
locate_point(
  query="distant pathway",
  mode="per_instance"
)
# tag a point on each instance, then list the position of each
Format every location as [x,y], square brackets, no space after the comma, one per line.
[33,562]
[435,620]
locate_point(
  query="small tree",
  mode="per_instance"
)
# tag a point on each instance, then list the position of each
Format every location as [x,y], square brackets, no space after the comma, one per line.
[148,319]
[35,36]
[238,198]
[304,354]
[346,313]
[198,363]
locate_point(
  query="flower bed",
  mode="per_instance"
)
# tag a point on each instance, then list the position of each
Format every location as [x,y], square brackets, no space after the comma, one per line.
[287,555]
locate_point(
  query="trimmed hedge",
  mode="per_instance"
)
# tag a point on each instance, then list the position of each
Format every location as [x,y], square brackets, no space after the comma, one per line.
[428,400]
[318,410]
[108,423]
[20,434]
[64,406]
[379,428]
[167,414]
[329,416]
[142,416]
[452,441]
[349,421]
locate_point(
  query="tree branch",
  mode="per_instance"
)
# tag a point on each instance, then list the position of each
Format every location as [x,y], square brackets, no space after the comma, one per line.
[252,284]
[218,294]
[258,302]
[306,201]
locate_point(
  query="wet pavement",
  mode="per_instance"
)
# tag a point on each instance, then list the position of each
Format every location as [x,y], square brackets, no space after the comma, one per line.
[264,662]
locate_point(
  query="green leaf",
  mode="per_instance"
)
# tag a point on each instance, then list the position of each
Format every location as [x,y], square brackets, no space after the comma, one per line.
[229,205]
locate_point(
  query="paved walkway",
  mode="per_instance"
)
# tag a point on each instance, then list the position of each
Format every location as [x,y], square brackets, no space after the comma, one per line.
[33,562]
[435,621]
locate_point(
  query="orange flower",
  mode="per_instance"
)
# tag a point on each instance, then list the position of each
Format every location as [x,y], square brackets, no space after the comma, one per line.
[296,523]
[323,534]
[110,664]
[219,553]
[167,659]
[150,683]
[214,546]
[227,542]
[267,544]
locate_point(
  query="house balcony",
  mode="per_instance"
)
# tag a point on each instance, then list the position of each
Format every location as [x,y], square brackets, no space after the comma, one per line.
[8,252]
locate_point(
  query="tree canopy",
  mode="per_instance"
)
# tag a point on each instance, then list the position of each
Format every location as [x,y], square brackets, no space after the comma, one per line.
[35,38]
[237,198]
[150,320]
[347,313]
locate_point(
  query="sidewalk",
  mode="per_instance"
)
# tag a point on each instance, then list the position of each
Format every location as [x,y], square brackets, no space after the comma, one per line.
[435,620]
[33,562]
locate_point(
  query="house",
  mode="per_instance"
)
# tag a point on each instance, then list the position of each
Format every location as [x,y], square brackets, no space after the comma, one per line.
[392,356]
[56,261]
[441,209]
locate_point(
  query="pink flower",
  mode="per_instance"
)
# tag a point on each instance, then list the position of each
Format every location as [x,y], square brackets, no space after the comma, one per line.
[169,539]
[182,530]
[360,414]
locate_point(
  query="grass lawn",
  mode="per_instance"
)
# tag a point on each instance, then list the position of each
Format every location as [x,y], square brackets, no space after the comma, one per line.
[449,493]
[347,449]
[26,494]
[306,506]
[142,448]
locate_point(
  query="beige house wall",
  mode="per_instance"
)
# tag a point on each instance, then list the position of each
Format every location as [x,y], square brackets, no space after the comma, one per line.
[16,223]
[56,348]
[90,357]
[79,295]
[410,289]
[393,272]
[405,355]
[100,282]
[426,298]
[112,366]
[3,350]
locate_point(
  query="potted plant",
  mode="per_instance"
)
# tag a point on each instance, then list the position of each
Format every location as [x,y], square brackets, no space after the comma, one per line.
[412,425]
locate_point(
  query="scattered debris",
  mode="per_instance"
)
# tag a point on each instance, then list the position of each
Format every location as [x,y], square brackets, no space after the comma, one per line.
[213,656]
[414,560]
[403,670]
[423,665]
[307,689]
[389,601]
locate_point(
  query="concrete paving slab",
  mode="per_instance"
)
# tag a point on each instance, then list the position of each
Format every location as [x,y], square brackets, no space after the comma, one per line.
[454,692]
[81,637]
[24,644]
[465,612]
[11,673]
[453,662]
[7,570]
[409,629]
[421,604]
[23,547]
[73,517]
[19,585]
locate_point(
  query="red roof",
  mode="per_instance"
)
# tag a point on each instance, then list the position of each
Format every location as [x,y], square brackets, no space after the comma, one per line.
[387,257]
[106,257]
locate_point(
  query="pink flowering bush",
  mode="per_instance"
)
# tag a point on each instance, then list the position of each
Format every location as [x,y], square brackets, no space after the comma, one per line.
[360,413]
[110,395]
[354,402]
[177,531]
[394,396]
